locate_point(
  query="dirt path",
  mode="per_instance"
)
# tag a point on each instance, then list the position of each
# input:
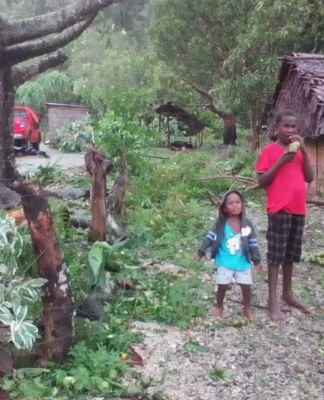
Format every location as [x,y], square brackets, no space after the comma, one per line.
[30,164]
[262,361]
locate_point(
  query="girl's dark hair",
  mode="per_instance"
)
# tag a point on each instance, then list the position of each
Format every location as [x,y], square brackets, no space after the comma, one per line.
[284,113]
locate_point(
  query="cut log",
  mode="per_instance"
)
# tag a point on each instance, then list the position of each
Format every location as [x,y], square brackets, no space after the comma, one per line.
[98,168]
[19,216]
[67,193]
[56,294]
[112,225]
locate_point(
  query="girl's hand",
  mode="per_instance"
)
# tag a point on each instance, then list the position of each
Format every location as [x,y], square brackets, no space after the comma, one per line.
[198,258]
[258,267]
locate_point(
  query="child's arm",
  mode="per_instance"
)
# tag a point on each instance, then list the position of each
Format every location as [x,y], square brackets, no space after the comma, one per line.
[206,243]
[307,165]
[254,248]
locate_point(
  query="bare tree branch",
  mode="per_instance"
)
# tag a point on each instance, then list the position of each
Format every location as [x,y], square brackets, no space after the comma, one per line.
[19,31]
[21,75]
[25,51]
[205,93]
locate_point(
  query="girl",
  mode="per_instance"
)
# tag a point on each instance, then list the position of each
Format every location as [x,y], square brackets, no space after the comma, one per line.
[233,246]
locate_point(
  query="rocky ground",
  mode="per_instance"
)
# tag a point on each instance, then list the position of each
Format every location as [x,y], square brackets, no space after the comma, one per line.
[260,361]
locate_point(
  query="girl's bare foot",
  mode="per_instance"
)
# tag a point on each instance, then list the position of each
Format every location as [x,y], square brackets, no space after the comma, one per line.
[275,313]
[247,313]
[291,301]
[218,312]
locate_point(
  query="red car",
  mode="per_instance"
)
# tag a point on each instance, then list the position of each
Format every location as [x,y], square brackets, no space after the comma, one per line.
[26,128]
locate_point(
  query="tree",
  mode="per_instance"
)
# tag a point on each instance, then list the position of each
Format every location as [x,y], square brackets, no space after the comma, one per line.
[228,50]
[22,40]
[195,39]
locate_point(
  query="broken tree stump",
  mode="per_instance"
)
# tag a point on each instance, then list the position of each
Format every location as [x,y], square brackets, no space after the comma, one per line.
[98,168]
[117,194]
[56,293]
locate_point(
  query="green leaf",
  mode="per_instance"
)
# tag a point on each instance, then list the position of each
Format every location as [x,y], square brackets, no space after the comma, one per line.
[195,347]
[21,313]
[95,258]
[37,283]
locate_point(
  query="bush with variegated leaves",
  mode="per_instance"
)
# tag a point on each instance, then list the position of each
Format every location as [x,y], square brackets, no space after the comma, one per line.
[16,292]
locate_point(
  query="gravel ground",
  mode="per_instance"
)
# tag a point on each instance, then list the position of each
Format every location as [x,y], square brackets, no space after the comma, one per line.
[29,164]
[263,360]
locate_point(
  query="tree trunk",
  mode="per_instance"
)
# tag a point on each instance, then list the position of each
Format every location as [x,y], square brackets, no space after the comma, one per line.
[255,128]
[56,294]
[7,153]
[229,135]
[117,194]
[98,169]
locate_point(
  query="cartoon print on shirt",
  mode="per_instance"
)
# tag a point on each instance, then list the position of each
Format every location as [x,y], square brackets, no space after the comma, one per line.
[233,244]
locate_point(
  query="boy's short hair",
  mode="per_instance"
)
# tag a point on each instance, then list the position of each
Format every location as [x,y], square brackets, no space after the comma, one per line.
[284,113]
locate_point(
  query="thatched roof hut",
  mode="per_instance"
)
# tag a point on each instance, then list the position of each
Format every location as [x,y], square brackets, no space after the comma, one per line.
[301,88]
[169,109]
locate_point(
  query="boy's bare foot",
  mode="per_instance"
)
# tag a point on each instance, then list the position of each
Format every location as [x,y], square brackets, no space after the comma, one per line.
[293,302]
[218,312]
[247,313]
[275,313]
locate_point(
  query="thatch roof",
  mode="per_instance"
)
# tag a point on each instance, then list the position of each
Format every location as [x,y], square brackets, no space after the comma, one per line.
[173,111]
[301,88]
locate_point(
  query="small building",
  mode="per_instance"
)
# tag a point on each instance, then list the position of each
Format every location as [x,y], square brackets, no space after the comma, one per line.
[60,114]
[301,89]
[170,110]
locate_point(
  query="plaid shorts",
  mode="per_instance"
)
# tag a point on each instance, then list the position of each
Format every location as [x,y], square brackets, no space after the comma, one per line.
[285,237]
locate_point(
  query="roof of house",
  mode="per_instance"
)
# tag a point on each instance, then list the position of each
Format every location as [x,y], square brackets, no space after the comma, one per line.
[309,67]
[304,95]
[171,110]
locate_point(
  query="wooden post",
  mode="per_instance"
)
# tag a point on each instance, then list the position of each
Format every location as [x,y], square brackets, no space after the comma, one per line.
[56,294]
[168,132]
[98,168]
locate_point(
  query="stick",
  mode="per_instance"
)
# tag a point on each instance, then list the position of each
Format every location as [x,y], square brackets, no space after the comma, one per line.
[161,158]
[234,178]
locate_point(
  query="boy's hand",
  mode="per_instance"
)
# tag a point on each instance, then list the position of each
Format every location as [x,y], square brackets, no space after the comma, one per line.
[198,258]
[287,157]
[258,267]
[300,140]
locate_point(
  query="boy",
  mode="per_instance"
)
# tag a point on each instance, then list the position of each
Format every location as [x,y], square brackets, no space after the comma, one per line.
[233,246]
[283,174]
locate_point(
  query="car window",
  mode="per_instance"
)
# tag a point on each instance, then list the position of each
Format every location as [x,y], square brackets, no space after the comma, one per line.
[20,114]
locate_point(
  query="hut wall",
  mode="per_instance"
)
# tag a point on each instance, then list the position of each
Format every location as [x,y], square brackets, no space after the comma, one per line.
[311,146]
[315,148]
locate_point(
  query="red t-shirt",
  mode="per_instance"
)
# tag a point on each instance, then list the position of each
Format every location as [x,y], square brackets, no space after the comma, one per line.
[287,192]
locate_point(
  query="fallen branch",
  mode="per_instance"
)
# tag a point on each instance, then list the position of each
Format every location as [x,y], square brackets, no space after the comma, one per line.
[318,203]
[67,193]
[85,223]
[232,177]
[161,158]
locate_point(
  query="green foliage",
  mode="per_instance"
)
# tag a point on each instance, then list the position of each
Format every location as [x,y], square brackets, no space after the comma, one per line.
[46,174]
[100,255]
[16,292]
[51,87]
[234,55]
[118,135]
[75,137]
[161,297]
